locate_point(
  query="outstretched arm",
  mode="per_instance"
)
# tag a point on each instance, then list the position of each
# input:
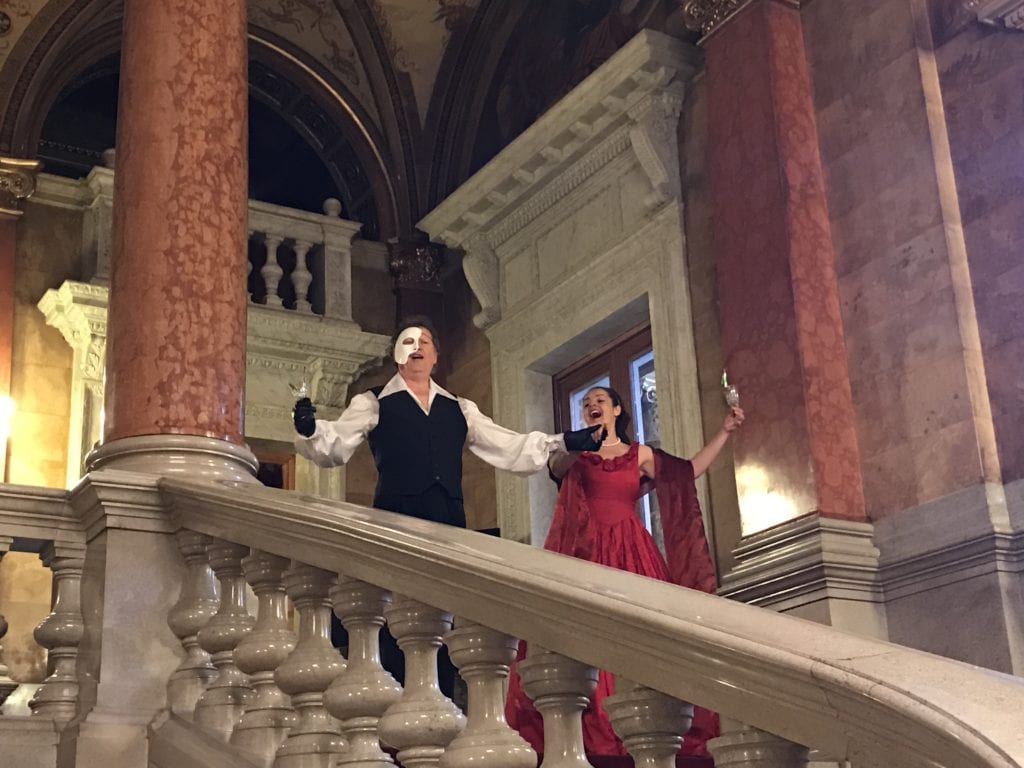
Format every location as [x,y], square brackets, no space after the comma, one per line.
[517,452]
[333,442]
[707,455]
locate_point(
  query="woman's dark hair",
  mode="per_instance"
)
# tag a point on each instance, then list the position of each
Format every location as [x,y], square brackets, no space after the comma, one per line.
[623,419]
[417,321]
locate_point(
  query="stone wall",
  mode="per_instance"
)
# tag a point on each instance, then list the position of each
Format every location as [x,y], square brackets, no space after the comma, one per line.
[49,252]
[910,365]
[981,73]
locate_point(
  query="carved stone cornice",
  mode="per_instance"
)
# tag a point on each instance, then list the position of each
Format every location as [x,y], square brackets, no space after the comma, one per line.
[79,312]
[17,182]
[1000,13]
[632,101]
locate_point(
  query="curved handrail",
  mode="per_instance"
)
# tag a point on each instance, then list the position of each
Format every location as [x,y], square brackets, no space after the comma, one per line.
[854,698]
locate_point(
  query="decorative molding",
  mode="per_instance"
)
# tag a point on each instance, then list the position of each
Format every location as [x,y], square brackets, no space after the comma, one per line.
[805,560]
[581,121]
[283,347]
[707,15]
[655,140]
[560,187]
[632,100]
[1008,14]
[483,273]
[975,531]
[17,182]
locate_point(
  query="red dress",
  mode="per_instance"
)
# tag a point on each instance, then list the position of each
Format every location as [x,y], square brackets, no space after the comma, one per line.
[595,519]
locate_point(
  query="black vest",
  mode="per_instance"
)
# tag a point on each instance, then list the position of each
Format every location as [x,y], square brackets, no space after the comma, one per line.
[414,450]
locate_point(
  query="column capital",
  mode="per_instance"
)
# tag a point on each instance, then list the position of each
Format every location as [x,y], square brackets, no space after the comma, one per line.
[705,15]
[416,263]
[17,182]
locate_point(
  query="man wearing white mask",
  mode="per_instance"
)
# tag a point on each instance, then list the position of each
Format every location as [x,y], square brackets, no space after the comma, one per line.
[417,431]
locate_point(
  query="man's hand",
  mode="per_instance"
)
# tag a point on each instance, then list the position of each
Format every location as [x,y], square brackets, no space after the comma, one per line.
[586,439]
[304,415]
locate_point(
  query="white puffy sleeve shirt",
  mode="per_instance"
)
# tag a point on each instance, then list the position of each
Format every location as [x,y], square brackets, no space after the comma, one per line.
[334,442]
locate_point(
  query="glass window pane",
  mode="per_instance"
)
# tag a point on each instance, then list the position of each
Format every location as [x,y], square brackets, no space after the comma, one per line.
[576,400]
[644,396]
[644,399]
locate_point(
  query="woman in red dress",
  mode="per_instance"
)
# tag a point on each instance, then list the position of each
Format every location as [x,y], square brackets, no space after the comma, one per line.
[595,519]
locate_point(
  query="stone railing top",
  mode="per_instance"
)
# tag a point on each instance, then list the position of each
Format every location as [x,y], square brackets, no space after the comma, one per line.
[63,192]
[38,514]
[855,698]
[302,225]
[651,63]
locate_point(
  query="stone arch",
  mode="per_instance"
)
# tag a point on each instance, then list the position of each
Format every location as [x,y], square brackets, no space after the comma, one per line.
[68,37]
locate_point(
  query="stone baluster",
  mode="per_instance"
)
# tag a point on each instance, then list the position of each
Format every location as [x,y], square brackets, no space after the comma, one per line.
[361,694]
[561,689]
[7,686]
[271,271]
[61,632]
[423,721]
[269,715]
[483,657]
[302,277]
[200,597]
[741,746]
[315,742]
[651,724]
[224,701]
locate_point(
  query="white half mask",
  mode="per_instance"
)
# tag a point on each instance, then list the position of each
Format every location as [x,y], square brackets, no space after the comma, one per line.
[407,343]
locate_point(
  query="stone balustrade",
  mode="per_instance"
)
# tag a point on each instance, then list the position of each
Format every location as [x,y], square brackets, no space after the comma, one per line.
[301,261]
[248,689]
[300,323]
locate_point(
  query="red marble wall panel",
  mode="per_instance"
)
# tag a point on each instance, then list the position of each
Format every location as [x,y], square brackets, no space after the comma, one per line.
[909,368]
[781,322]
[176,359]
[981,73]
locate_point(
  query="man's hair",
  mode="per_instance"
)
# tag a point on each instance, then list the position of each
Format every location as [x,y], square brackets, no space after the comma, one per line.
[417,321]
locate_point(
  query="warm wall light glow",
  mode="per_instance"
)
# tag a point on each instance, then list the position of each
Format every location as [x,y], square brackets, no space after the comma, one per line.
[761,506]
[6,417]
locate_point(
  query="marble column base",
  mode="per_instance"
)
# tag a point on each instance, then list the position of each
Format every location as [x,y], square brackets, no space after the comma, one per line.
[816,568]
[205,458]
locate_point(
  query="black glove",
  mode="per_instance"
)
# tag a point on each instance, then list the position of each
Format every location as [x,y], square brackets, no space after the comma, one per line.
[304,415]
[586,439]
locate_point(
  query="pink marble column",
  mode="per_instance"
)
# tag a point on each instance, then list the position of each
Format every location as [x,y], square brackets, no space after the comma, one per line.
[781,324]
[177,323]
